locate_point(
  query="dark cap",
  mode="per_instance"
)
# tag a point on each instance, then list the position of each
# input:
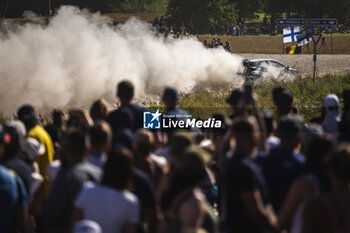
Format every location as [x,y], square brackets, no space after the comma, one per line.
[235,96]
[170,94]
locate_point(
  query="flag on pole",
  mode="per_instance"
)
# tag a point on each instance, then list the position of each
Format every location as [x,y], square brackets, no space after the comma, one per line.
[290,34]
[305,41]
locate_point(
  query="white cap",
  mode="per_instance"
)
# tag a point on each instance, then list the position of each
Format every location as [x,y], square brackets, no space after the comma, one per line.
[32,149]
[87,226]
[331,100]
[20,128]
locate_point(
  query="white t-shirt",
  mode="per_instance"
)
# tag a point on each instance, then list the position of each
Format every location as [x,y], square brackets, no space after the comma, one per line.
[110,208]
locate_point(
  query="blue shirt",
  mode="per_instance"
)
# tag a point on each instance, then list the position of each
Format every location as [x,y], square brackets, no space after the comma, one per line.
[280,168]
[10,197]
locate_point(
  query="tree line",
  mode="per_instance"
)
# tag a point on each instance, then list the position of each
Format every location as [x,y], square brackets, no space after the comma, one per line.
[200,14]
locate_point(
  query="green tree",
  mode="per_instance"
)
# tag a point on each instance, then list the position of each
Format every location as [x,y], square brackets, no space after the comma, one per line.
[201,15]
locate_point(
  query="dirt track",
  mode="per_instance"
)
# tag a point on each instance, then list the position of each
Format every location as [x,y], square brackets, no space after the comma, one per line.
[326,64]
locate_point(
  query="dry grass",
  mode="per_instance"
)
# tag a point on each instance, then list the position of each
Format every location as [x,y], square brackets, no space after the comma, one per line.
[273,44]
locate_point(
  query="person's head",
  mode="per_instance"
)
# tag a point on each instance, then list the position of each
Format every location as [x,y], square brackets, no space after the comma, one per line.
[125,91]
[170,97]
[331,105]
[193,164]
[144,142]
[31,150]
[14,134]
[311,131]
[79,118]
[26,114]
[339,165]
[245,132]
[57,116]
[100,136]
[179,142]
[124,137]
[118,169]
[75,144]
[234,98]
[289,132]
[284,102]
[99,110]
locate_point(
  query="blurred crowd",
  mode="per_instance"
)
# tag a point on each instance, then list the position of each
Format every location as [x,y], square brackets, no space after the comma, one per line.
[264,170]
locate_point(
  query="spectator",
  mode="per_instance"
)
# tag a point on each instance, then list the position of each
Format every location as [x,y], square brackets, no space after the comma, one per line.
[110,204]
[330,213]
[153,165]
[27,115]
[99,110]
[233,100]
[344,124]
[283,165]
[79,119]
[283,101]
[272,141]
[188,206]
[330,125]
[14,132]
[55,129]
[246,201]
[13,195]
[75,171]
[312,184]
[128,115]
[101,139]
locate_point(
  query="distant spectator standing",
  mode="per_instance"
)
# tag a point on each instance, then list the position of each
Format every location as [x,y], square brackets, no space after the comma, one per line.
[57,214]
[110,204]
[27,115]
[129,114]
[101,139]
[283,165]
[99,110]
[330,125]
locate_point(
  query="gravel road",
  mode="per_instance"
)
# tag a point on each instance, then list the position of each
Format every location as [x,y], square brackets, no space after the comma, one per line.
[326,64]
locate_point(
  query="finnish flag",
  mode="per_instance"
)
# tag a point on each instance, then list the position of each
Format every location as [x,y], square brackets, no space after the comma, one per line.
[290,34]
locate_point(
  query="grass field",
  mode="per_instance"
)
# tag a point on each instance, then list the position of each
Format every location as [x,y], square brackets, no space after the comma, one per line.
[307,96]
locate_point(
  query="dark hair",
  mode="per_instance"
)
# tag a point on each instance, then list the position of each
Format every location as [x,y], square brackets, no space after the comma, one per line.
[99,110]
[100,133]
[76,142]
[317,150]
[276,92]
[340,162]
[289,127]
[269,120]
[26,114]
[125,90]
[118,169]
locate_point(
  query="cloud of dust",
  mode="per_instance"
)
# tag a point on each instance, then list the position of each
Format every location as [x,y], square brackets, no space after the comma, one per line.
[80,57]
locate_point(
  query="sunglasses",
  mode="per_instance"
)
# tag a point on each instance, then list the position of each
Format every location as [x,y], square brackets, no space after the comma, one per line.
[332,108]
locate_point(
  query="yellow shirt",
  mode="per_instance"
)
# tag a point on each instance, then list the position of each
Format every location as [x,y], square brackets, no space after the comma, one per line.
[40,134]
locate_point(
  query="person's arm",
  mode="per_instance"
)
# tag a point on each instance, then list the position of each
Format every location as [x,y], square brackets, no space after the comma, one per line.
[190,214]
[297,194]
[253,203]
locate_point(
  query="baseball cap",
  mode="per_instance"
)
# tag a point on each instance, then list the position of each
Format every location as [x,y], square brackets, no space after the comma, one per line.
[32,149]
[87,226]
[14,133]
[331,100]
[170,94]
